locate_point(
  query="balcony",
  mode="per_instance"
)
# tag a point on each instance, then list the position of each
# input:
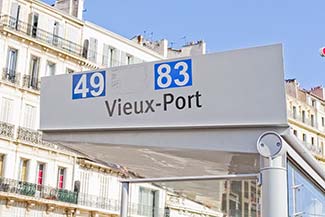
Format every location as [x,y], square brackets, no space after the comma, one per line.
[31,84]
[98,202]
[37,191]
[7,130]
[11,76]
[29,136]
[40,35]
[113,205]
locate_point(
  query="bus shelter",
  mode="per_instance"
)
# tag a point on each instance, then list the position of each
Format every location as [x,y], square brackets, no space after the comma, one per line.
[178,122]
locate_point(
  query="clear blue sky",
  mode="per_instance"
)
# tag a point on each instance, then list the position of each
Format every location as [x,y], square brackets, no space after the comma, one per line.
[225,25]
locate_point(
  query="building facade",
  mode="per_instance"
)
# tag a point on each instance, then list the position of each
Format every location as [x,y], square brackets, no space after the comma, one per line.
[306,116]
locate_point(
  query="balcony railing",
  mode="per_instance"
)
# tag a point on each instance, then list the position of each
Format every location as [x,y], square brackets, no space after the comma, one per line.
[7,130]
[136,209]
[40,35]
[10,76]
[28,135]
[29,83]
[98,202]
[37,191]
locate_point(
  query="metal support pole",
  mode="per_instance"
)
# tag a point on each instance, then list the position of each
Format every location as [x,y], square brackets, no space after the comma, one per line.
[124,199]
[274,189]
[273,175]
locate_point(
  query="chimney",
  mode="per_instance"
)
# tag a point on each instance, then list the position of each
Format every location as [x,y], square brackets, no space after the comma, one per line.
[318,91]
[71,7]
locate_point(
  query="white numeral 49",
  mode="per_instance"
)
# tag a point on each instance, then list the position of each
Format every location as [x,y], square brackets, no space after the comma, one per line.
[97,86]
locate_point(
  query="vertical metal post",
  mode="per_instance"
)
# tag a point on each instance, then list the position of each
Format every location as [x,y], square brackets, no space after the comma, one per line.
[273,175]
[274,188]
[124,199]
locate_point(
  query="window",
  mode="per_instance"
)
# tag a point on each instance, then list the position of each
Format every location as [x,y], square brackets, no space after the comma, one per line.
[14,15]
[113,57]
[29,116]
[40,173]
[11,65]
[85,48]
[304,137]
[6,110]
[33,20]
[295,132]
[69,71]
[294,112]
[61,177]
[303,116]
[323,122]
[56,27]
[312,140]
[34,72]
[50,68]
[108,56]
[313,103]
[1,164]
[130,59]
[312,120]
[23,170]
[146,202]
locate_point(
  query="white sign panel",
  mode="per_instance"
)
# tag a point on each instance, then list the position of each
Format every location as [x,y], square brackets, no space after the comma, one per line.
[242,87]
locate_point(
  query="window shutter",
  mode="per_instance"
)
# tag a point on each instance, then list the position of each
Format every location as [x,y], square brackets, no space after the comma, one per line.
[14,15]
[30,116]
[6,110]
[106,55]
[123,58]
[92,49]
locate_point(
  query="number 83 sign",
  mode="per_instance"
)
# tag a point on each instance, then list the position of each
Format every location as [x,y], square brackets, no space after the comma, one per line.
[173,74]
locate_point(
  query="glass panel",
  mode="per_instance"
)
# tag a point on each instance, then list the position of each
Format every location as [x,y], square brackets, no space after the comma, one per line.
[213,198]
[305,198]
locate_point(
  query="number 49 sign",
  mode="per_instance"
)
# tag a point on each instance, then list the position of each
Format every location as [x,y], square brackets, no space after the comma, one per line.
[173,74]
[87,85]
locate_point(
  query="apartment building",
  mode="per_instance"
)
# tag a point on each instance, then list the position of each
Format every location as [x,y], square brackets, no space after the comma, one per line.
[38,178]
[306,115]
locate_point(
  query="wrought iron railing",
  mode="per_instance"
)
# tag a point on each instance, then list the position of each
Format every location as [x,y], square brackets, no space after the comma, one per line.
[98,202]
[28,82]
[10,76]
[7,130]
[40,34]
[28,135]
[37,191]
